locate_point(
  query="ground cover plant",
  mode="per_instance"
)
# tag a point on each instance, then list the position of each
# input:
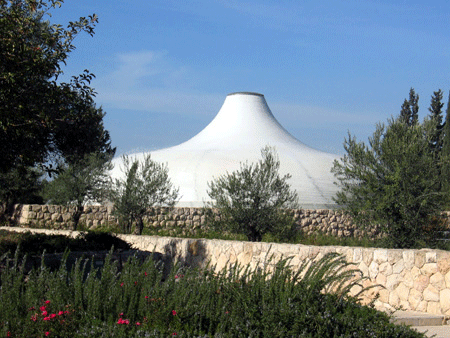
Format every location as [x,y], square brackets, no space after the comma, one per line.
[138,301]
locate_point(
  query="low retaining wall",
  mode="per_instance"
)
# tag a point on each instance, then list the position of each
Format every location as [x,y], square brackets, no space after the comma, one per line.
[412,279]
[330,222]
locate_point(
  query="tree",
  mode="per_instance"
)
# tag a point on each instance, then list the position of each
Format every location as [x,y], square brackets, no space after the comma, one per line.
[86,180]
[41,118]
[144,185]
[251,200]
[436,118]
[445,151]
[410,109]
[393,181]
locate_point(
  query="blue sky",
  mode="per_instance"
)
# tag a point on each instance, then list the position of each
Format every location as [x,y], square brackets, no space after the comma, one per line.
[164,67]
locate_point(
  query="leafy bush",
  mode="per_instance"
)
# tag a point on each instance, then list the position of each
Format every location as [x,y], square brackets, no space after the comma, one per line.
[252,200]
[144,185]
[275,301]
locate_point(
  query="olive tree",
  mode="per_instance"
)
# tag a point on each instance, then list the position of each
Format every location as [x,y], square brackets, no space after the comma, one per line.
[392,181]
[86,180]
[144,184]
[253,199]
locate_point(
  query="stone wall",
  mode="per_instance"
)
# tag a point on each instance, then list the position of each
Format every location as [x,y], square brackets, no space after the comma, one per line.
[329,222]
[416,280]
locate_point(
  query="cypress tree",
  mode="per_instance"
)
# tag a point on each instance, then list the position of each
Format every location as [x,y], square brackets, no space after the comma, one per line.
[436,119]
[409,113]
[445,151]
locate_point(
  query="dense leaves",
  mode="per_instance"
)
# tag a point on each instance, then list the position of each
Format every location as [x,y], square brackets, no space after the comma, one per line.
[43,121]
[252,200]
[142,301]
[393,181]
[144,184]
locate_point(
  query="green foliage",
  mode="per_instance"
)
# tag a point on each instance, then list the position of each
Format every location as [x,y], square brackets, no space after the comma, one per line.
[252,200]
[393,181]
[145,184]
[39,116]
[84,180]
[19,185]
[236,302]
[409,113]
[42,120]
[445,152]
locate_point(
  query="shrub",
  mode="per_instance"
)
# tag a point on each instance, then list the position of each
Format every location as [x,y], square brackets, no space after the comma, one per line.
[252,200]
[275,301]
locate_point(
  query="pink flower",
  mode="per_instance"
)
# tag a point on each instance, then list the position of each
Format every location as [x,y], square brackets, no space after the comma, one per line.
[137,323]
[47,302]
[60,313]
[145,273]
[146,297]
[47,333]
[174,312]
[46,318]
[53,315]
[34,318]
[44,313]
[42,308]
[174,334]
[8,334]
[121,284]
[121,314]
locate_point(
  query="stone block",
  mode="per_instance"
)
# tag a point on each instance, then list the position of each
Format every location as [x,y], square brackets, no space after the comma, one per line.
[429,269]
[414,298]
[431,294]
[419,259]
[398,266]
[402,292]
[393,281]
[421,282]
[373,270]
[430,257]
[444,265]
[444,300]
[438,281]
[409,258]
[385,268]
[434,308]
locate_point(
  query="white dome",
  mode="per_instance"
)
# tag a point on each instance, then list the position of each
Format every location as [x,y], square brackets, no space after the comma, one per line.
[243,126]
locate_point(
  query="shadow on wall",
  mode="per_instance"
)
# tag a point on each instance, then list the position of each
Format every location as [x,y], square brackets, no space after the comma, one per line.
[194,254]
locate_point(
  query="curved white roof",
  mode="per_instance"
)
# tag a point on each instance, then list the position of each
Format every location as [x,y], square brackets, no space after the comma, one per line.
[243,126]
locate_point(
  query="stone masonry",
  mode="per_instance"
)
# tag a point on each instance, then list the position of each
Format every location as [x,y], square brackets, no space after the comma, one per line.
[329,222]
[416,280]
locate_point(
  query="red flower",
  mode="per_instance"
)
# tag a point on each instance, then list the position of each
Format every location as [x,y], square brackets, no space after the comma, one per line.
[135,283]
[121,314]
[146,297]
[8,334]
[47,333]
[145,273]
[174,312]
[34,318]
[47,302]
[121,284]
[137,323]
[174,334]
[42,308]
[60,313]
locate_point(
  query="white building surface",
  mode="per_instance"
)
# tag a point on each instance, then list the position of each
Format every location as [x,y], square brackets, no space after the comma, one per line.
[243,126]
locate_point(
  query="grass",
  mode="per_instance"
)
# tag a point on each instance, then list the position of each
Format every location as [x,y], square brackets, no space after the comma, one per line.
[138,301]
